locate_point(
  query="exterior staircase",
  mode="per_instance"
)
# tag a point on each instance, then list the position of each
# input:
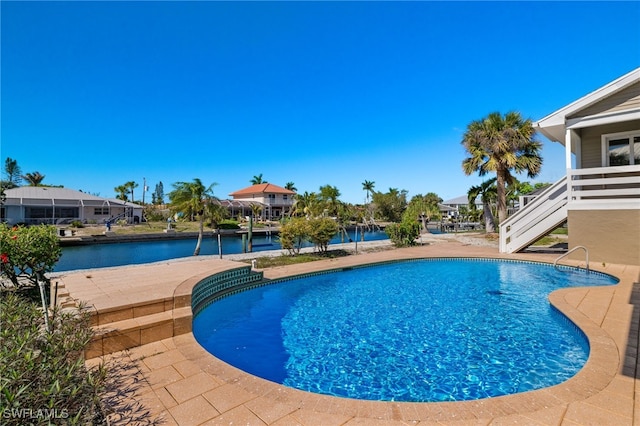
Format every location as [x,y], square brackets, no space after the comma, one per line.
[541,216]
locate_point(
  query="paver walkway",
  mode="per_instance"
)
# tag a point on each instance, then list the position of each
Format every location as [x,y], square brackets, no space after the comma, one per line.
[185,385]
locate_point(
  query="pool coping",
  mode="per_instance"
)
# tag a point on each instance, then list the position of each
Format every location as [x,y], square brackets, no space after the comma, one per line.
[584,398]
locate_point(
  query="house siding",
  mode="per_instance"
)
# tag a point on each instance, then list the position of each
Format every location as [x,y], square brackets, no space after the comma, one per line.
[626,99]
[610,236]
[592,141]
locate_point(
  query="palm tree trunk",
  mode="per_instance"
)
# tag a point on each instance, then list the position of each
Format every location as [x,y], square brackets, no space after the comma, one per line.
[489,222]
[501,195]
[196,252]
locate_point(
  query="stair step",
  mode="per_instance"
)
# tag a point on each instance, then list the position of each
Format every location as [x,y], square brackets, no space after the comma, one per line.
[129,333]
[123,327]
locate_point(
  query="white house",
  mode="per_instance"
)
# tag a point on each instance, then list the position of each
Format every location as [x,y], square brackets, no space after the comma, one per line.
[43,204]
[275,200]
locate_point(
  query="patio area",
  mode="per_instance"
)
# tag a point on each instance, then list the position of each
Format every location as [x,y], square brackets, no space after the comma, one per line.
[179,382]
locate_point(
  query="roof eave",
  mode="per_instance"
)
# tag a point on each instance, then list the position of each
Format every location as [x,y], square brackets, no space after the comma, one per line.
[553,126]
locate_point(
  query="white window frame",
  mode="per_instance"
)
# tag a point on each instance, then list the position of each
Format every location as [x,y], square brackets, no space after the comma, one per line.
[615,136]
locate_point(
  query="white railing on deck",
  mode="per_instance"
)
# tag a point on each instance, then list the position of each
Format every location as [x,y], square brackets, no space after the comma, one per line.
[615,187]
[593,188]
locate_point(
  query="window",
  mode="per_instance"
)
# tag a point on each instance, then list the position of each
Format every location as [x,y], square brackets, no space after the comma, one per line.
[101,211]
[621,149]
[272,197]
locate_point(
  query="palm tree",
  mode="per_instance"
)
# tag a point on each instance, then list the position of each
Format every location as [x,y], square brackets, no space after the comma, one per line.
[487,193]
[368,186]
[122,192]
[329,196]
[306,204]
[502,145]
[291,186]
[34,179]
[194,201]
[131,185]
[257,180]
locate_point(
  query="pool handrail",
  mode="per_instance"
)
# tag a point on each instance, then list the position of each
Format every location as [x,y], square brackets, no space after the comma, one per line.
[586,252]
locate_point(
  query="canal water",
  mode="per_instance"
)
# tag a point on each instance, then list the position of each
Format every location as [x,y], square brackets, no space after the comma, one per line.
[132,253]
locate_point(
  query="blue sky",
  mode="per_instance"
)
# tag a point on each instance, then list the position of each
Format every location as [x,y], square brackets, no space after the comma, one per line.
[95,94]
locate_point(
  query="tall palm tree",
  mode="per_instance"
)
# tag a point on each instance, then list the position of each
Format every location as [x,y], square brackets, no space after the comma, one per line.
[122,192]
[502,144]
[291,186]
[257,180]
[368,186]
[194,200]
[34,179]
[487,193]
[131,185]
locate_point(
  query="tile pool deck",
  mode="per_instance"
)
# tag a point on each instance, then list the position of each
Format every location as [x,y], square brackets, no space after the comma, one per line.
[184,385]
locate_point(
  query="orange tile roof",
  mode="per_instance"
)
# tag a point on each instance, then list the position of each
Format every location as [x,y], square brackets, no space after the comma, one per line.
[262,188]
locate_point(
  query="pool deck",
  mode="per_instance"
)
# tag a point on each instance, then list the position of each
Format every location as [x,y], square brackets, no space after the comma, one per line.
[182,384]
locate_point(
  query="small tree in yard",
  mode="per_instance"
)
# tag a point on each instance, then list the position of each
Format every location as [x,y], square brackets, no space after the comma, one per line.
[293,234]
[298,230]
[321,231]
[403,234]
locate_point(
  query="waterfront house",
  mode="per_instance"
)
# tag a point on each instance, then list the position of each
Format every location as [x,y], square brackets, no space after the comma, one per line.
[33,205]
[275,201]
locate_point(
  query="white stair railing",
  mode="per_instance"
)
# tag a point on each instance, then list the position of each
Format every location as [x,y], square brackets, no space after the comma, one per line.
[546,212]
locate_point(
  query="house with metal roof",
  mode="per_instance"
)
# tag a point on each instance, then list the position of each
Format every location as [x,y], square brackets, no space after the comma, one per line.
[55,206]
[599,198]
[275,200]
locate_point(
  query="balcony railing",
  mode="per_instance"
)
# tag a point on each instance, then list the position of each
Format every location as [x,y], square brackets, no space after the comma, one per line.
[604,187]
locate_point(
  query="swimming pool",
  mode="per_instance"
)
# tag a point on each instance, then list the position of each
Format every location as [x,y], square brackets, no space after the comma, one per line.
[426,330]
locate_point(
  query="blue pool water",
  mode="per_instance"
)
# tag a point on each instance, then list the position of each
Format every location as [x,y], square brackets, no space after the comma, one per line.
[118,254]
[431,330]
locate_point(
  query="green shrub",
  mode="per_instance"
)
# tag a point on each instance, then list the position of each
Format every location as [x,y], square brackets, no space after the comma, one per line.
[403,234]
[293,234]
[228,224]
[77,224]
[43,378]
[320,231]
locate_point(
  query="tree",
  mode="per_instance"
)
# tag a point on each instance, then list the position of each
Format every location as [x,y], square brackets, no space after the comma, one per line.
[293,234]
[306,204]
[502,145]
[158,194]
[391,205]
[320,231]
[368,186]
[194,201]
[424,207]
[487,193]
[34,179]
[329,198]
[131,185]
[121,192]
[12,173]
[257,180]
[291,186]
